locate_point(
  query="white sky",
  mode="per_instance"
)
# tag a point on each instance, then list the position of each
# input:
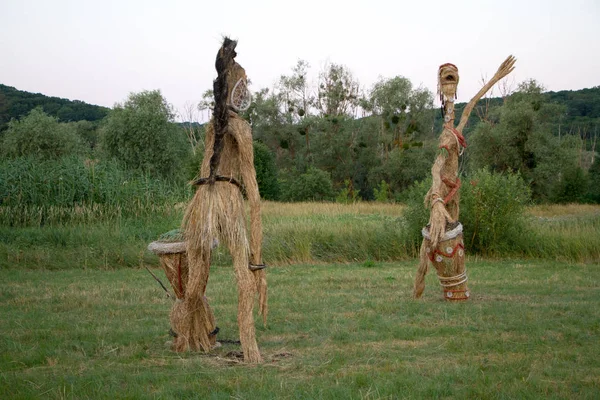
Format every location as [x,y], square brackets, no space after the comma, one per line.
[100,51]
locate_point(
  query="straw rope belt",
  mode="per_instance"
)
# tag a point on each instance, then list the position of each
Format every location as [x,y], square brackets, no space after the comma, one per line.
[453,230]
[454,294]
[256,267]
[437,199]
[219,178]
[445,281]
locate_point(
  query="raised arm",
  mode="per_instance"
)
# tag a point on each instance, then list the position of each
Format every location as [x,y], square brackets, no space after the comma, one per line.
[505,68]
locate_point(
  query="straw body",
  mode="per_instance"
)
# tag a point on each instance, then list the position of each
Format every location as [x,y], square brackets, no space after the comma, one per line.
[440,246]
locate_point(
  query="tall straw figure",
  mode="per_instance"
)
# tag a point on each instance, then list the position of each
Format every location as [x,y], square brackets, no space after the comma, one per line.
[442,237]
[216,215]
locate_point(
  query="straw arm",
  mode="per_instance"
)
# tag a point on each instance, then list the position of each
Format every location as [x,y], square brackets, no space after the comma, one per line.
[505,68]
[244,139]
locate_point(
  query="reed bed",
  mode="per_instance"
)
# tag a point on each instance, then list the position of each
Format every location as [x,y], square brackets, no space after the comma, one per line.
[73,190]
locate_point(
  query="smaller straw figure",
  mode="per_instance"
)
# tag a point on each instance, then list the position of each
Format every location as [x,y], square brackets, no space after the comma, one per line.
[442,237]
[216,215]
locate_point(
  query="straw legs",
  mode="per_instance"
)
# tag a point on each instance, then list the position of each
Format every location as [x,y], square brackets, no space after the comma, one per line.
[192,318]
[216,212]
[448,258]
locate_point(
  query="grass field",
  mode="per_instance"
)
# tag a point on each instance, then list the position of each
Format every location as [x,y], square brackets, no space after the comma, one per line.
[531,330]
[80,317]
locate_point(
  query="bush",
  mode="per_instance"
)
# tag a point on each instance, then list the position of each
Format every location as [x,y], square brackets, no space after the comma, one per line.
[141,135]
[416,215]
[266,172]
[40,135]
[382,192]
[313,185]
[593,193]
[572,188]
[347,195]
[492,211]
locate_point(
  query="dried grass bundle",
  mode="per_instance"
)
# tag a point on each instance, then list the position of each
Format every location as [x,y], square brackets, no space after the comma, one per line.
[217,213]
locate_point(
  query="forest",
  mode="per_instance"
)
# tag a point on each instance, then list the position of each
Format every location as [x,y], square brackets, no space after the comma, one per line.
[331,140]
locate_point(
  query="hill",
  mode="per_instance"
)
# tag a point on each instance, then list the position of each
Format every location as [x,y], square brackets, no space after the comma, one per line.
[582,110]
[15,103]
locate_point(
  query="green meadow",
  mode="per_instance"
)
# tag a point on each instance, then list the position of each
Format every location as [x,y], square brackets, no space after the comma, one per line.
[81,317]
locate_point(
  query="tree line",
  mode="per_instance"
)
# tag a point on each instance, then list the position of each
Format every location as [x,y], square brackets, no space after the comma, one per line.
[15,104]
[329,138]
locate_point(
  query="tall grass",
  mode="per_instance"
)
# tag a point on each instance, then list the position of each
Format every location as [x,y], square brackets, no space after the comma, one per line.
[293,233]
[334,232]
[73,190]
[72,212]
[575,238]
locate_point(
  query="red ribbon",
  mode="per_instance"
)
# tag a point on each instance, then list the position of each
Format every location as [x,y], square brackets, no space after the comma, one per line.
[436,251]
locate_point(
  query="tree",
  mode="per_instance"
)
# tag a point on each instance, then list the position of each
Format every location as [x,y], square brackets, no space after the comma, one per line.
[338,92]
[266,172]
[140,133]
[404,112]
[295,92]
[4,117]
[573,187]
[207,103]
[404,167]
[40,135]
[519,138]
[87,131]
[313,185]
[594,182]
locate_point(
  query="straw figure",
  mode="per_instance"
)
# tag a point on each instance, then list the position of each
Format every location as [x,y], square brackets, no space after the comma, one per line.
[442,237]
[216,214]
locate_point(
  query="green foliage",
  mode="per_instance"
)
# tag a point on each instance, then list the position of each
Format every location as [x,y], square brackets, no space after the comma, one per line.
[347,194]
[492,211]
[266,172]
[15,104]
[594,181]
[193,164]
[40,135]
[313,185]
[382,192]
[572,187]
[522,141]
[142,136]
[416,215]
[403,167]
[88,132]
[404,113]
[338,91]
[35,192]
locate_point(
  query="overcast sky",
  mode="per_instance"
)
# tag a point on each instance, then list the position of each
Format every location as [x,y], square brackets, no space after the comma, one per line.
[100,51]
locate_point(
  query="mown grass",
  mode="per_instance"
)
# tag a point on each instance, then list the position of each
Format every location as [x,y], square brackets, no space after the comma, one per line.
[335,331]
